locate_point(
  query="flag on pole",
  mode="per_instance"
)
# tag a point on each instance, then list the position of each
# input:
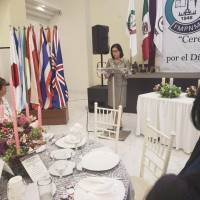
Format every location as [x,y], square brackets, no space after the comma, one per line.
[45,74]
[21,69]
[26,66]
[131,28]
[14,60]
[36,97]
[40,54]
[60,88]
[146,32]
[158,31]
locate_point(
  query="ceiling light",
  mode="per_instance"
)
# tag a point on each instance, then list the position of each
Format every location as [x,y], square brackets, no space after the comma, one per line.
[40,8]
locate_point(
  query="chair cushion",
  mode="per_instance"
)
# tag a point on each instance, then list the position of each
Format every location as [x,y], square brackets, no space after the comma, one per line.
[141,187]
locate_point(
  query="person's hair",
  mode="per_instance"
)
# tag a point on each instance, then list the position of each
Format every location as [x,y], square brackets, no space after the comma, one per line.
[173,187]
[2,82]
[119,48]
[195,114]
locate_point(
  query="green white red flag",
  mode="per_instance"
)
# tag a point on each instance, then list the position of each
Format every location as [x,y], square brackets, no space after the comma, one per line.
[146,32]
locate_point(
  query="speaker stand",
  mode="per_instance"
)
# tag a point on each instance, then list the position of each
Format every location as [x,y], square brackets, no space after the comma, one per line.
[101,67]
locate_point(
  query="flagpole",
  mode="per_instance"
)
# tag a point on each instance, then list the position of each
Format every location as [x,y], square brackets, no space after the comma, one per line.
[155,65]
[142,65]
[131,60]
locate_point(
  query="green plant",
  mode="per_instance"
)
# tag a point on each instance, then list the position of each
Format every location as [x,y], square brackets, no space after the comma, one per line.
[167,92]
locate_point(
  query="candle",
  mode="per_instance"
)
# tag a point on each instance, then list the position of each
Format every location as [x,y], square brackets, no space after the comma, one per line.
[2,112]
[39,117]
[163,81]
[16,133]
[171,80]
[27,111]
[12,95]
[198,82]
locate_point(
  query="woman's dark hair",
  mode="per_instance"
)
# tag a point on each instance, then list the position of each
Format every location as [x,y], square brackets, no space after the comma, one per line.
[119,48]
[195,114]
[173,187]
[2,82]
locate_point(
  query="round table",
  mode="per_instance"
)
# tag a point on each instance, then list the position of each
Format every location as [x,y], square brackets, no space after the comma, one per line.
[119,171]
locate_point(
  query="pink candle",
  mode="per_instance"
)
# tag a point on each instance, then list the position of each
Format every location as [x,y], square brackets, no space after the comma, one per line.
[12,95]
[16,131]
[27,111]
[2,112]
[39,117]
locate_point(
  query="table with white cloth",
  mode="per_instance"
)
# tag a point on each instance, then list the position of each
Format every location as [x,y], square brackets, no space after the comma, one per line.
[168,115]
[118,171]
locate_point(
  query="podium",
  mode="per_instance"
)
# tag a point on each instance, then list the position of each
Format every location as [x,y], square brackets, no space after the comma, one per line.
[113,71]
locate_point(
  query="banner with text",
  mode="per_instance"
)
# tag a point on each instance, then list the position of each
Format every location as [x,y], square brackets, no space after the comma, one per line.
[181,36]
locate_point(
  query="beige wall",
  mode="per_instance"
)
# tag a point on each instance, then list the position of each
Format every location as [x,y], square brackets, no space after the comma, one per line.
[113,13]
[13,13]
[75,37]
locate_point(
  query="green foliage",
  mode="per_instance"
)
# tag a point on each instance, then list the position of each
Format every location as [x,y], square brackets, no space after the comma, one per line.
[166,92]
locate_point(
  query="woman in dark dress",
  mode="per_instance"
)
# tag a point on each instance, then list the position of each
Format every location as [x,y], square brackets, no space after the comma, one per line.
[193,163]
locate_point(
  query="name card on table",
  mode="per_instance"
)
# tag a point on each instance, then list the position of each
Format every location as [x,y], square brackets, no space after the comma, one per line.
[34,167]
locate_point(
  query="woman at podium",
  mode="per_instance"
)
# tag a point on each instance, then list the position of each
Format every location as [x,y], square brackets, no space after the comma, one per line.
[120,79]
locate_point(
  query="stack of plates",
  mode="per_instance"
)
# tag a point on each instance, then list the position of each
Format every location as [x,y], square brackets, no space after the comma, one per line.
[67,144]
[68,170]
[68,153]
[99,188]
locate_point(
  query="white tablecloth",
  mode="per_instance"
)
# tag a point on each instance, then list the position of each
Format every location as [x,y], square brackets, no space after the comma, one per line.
[168,115]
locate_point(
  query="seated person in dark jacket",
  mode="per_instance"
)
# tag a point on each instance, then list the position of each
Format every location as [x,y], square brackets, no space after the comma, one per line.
[193,163]
[174,187]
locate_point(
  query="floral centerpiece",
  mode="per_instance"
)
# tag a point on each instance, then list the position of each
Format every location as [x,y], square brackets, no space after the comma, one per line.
[166,92]
[191,91]
[30,137]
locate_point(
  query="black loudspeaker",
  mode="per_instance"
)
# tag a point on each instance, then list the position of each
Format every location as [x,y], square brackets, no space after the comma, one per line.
[97,94]
[100,39]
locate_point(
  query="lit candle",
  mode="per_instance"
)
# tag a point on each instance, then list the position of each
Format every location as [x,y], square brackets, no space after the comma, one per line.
[2,112]
[198,82]
[163,81]
[39,117]
[16,133]
[12,95]
[27,111]
[171,80]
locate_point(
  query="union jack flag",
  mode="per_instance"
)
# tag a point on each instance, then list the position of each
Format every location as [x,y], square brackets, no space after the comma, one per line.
[58,81]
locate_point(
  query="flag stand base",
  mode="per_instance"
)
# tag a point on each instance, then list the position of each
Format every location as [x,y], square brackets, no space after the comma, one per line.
[52,117]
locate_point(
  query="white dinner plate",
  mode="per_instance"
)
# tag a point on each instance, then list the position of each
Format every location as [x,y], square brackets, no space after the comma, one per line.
[100,160]
[61,143]
[68,170]
[118,191]
[67,152]
[48,134]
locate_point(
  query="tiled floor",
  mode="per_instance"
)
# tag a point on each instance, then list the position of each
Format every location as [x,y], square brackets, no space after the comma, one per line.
[130,150]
